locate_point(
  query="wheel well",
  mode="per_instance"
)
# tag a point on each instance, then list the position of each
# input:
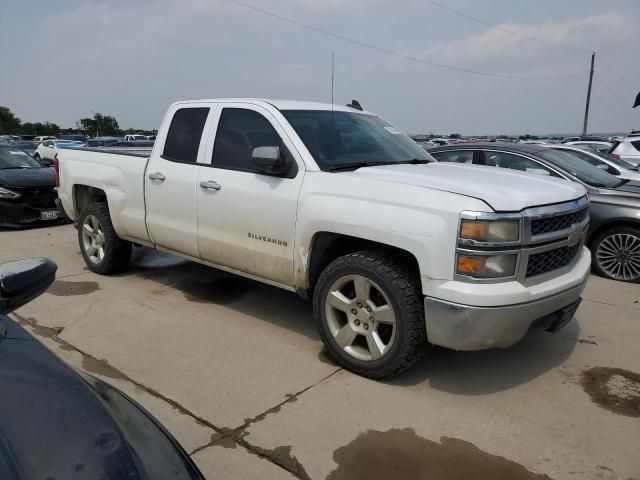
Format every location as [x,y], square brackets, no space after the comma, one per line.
[609,226]
[327,246]
[84,195]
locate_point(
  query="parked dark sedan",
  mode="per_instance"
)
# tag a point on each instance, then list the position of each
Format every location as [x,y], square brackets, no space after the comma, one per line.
[27,190]
[57,423]
[614,230]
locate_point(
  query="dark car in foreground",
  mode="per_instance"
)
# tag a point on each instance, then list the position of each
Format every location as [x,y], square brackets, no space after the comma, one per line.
[614,230]
[27,190]
[57,423]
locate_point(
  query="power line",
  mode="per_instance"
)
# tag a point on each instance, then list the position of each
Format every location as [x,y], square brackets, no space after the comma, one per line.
[611,69]
[611,91]
[511,32]
[391,52]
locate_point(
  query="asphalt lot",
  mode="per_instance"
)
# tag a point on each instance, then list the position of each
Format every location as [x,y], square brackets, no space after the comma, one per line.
[235,370]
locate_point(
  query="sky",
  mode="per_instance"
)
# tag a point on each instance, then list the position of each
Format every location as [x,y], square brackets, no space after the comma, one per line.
[64,59]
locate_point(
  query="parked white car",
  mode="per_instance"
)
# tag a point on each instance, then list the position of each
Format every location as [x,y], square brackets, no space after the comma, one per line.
[608,163]
[600,147]
[47,150]
[396,251]
[133,138]
[43,138]
[629,150]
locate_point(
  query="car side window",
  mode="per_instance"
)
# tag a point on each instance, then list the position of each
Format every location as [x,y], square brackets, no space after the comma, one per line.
[185,132]
[513,162]
[460,156]
[239,132]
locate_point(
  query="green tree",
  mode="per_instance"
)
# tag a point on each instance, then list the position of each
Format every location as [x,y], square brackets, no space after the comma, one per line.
[455,135]
[38,128]
[99,125]
[9,123]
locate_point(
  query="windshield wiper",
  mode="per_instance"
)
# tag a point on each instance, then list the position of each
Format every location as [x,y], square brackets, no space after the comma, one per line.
[356,165]
[361,164]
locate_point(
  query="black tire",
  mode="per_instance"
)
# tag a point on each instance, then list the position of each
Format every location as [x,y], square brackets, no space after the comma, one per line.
[400,284]
[117,252]
[598,262]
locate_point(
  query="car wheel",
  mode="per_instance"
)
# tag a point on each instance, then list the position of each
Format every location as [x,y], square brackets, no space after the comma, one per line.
[616,254]
[103,251]
[369,311]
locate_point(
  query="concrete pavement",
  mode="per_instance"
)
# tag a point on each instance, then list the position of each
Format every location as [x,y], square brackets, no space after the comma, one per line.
[235,370]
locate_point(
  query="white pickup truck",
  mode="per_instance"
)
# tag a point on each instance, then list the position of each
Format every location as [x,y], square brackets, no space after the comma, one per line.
[396,250]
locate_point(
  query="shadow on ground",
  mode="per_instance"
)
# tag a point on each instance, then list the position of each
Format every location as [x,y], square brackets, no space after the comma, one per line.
[460,373]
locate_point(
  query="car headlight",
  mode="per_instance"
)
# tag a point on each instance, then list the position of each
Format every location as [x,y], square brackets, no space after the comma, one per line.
[486,266]
[490,230]
[9,194]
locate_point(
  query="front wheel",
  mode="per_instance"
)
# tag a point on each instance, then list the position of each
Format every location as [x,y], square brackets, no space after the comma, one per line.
[103,251]
[616,254]
[370,314]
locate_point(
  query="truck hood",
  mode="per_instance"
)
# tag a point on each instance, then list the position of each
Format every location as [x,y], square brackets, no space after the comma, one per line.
[503,190]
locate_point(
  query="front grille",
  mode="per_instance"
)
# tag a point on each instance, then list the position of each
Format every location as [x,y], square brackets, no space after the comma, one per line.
[544,262]
[556,224]
[38,197]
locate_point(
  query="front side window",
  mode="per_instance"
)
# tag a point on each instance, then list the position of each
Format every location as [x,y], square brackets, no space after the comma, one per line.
[460,156]
[239,132]
[185,132]
[513,162]
[583,171]
[337,139]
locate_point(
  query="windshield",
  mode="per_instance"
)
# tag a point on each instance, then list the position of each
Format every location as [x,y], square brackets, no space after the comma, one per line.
[343,138]
[580,169]
[11,157]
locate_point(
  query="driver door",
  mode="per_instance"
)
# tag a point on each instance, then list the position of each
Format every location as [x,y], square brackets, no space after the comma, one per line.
[246,219]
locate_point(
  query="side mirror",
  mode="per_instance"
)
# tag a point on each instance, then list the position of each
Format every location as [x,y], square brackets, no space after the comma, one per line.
[23,280]
[269,160]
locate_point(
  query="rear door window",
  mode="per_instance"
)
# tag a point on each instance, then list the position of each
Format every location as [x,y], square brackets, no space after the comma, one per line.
[184,135]
[456,156]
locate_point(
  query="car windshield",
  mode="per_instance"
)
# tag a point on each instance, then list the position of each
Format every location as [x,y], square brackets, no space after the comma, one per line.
[13,158]
[337,139]
[580,169]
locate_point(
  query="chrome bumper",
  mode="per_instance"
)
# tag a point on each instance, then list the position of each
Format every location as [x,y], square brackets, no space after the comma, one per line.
[465,327]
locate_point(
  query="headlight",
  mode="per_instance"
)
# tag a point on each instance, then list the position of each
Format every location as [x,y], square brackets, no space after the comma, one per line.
[9,194]
[490,230]
[490,266]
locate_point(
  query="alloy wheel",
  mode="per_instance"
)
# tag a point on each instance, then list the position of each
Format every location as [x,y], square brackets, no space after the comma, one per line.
[93,240]
[618,255]
[360,317]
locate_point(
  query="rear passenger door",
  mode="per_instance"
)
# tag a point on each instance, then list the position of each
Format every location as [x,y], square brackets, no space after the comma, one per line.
[246,219]
[171,179]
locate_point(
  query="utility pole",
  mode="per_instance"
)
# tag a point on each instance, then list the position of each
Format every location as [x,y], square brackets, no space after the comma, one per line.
[586,108]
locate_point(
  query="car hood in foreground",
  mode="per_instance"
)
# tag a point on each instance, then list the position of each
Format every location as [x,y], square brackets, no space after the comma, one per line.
[55,423]
[28,177]
[501,189]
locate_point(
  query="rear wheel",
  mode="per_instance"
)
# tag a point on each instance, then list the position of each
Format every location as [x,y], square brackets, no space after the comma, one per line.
[370,315]
[103,251]
[616,254]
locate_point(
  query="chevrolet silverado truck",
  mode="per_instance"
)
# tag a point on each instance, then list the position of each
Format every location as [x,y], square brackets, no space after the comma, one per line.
[396,251]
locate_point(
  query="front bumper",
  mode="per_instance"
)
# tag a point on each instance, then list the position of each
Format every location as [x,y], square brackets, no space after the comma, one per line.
[466,327]
[20,215]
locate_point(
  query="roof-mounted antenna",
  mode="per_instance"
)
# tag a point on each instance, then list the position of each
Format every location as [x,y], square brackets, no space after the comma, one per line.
[355,104]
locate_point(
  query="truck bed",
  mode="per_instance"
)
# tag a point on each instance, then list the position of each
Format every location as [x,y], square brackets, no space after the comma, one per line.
[119,173]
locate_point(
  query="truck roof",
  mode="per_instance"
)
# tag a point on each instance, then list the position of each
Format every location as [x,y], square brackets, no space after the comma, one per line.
[281,104]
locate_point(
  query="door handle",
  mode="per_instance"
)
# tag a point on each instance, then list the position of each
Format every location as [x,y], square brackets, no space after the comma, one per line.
[157,176]
[210,185]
